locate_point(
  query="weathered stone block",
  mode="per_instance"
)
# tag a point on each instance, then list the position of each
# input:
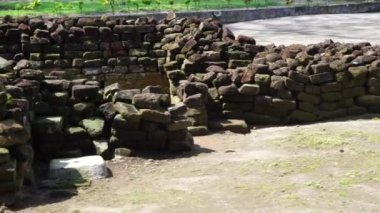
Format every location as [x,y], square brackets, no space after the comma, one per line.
[321,68]
[238,126]
[331,96]
[48,125]
[358,72]
[94,126]
[320,78]
[84,92]
[332,114]
[302,116]
[249,89]
[283,103]
[368,100]
[314,99]
[331,87]
[294,85]
[159,116]
[259,119]
[181,145]
[150,100]
[328,106]
[262,79]
[353,92]
[307,107]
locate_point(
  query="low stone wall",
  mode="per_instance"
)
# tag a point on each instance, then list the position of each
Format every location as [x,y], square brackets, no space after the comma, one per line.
[84,46]
[16,152]
[300,84]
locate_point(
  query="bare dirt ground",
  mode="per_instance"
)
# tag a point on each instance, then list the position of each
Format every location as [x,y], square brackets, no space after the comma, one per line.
[325,167]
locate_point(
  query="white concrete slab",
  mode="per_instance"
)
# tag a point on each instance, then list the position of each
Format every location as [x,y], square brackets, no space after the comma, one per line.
[87,168]
[312,29]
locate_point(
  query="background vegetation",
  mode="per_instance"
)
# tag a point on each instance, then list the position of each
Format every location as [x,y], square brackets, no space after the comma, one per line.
[59,7]
[37,7]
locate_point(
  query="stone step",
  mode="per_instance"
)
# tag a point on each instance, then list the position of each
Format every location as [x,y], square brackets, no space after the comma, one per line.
[78,169]
[233,125]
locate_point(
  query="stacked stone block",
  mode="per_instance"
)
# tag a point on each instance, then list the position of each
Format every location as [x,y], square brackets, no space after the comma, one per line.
[16,153]
[143,120]
[201,51]
[86,46]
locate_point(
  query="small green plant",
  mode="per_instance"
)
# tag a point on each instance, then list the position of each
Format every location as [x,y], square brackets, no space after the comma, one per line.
[111,3]
[187,3]
[158,3]
[289,2]
[18,7]
[134,3]
[197,3]
[247,3]
[80,6]
[58,6]
[228,2]
[33,5]
[171,3]
[147,2]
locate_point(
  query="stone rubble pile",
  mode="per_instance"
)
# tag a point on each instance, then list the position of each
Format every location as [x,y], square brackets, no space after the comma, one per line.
[55,88]
[146,120]
[267,84]
[302,84]
[76,118]
[199,53]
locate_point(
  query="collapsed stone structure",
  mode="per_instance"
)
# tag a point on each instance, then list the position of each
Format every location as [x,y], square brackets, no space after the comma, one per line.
[60,73]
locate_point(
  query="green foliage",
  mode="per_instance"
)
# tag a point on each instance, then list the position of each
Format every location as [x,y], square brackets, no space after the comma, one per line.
[111,3]
[58,6]
[247,2]
[43,7]
[289,2]
[147,2]
[187,3]
[80,6]
[158,3]
[33,5]
[18,7]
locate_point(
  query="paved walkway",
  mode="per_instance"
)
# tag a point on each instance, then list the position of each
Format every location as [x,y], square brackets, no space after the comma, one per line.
[313,29]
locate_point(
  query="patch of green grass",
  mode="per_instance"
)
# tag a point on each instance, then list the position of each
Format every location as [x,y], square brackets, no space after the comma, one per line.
[371,137]
[95,6]
[140,197]
[320,139]
[311,139]
[294,165]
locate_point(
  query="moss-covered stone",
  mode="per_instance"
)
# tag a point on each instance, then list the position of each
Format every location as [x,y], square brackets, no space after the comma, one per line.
[94,126]
[314,99]
[12,133]
[358,72]
[331,96]
[4,155]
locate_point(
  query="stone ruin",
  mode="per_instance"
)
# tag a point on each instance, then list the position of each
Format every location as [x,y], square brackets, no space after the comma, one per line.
[63,94]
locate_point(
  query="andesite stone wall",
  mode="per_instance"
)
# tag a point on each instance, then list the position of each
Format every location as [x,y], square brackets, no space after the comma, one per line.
[69,86]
